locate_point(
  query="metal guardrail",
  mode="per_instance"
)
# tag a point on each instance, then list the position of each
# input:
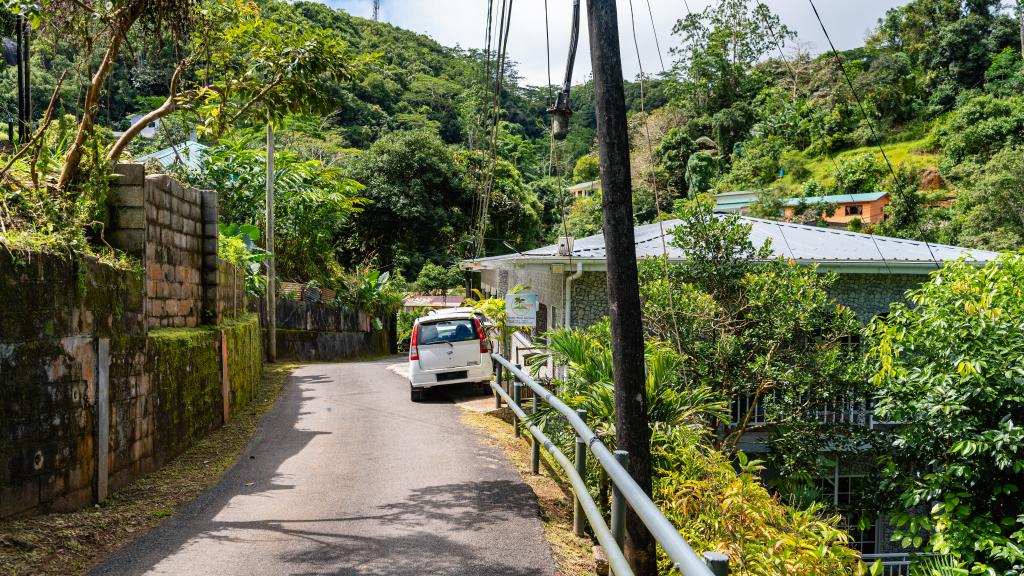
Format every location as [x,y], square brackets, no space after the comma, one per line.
[625,490]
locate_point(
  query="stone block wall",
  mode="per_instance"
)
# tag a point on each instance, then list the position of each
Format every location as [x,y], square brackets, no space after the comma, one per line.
[55,313]
[174,253]
[172,229]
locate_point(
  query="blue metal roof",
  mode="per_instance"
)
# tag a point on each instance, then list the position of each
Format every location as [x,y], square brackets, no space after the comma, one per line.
[836,198]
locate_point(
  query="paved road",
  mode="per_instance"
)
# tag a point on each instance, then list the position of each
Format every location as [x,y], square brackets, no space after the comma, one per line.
[348,476]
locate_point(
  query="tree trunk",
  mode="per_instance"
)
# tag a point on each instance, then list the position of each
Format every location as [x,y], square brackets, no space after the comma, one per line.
[169,106]
[122,23]
[632,431]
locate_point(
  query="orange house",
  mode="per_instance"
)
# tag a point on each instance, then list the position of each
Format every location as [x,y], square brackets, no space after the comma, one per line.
[868,207]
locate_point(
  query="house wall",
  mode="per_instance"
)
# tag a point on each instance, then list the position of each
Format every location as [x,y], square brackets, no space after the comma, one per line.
[548,286]
[872,294]
[872,212]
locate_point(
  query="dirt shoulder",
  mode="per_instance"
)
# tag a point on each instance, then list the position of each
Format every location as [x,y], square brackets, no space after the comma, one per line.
[573,555]
[64,544]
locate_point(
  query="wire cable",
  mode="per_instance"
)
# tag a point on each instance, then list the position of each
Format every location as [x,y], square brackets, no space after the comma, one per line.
[871,126]
[653,175]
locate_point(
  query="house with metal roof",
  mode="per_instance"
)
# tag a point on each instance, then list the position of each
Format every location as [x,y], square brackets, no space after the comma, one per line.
[737,202]
[189,154]
[868,207]
[569,277]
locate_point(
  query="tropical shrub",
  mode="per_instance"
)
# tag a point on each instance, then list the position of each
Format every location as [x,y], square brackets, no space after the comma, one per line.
[949,368]
[719,508]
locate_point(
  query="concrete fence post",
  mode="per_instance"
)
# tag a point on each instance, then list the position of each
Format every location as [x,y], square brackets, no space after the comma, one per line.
[102,418]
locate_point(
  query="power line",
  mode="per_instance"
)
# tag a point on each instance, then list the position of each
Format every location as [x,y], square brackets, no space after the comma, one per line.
[871,126]
[650,153]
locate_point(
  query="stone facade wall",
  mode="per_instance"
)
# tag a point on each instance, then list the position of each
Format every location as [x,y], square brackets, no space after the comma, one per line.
[589,299]
[871,294]
[866,294]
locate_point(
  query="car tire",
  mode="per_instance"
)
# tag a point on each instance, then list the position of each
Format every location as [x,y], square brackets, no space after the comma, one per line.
[485,387]
[416,394]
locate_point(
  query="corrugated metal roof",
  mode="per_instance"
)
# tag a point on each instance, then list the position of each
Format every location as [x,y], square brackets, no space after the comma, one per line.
[190,154]
[837,198]
[806,244]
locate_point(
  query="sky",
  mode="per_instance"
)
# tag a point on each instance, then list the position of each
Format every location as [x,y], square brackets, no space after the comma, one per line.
[462,23]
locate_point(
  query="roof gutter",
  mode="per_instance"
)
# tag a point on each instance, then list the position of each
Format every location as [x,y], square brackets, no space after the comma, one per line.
[568,293]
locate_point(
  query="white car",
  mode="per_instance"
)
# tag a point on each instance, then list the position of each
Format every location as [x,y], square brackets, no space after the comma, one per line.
[449,348]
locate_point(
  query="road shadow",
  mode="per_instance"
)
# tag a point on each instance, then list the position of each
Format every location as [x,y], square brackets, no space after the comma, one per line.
[255,474]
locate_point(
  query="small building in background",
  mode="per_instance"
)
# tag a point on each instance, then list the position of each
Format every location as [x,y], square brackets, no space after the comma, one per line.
[585,189]
[424,303]
[868,207]
[737,202]
[189,154]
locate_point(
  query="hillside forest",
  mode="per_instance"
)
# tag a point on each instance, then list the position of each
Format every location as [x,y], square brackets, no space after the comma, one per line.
[385,144]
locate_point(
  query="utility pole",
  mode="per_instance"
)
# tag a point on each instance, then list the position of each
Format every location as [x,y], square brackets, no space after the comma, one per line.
[271,292]
[632,431]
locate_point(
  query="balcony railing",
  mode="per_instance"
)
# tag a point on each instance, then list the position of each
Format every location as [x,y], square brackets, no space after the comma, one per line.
[847,411]
[892,564]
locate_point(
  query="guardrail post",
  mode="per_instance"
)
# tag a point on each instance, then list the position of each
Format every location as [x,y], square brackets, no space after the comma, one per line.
[535,445]
[517,395]
[718,563]
[578,515]
[499,376]
[618,525]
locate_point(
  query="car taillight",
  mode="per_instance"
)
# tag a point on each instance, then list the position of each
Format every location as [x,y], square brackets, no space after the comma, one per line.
[414,351]
[484,346]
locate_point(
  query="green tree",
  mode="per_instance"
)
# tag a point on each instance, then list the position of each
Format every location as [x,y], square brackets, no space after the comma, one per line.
[587,169]
[760,331]
[948,368]
[313,204]
[989,212]
[859,174]
[436,279]
[421,207]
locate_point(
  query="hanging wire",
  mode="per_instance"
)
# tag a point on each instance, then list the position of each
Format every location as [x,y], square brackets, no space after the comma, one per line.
[871,126]
[505,21]
[777,39]
[653,174]
[553,159]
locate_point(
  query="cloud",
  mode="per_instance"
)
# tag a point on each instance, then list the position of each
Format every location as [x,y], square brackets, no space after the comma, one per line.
[462,23]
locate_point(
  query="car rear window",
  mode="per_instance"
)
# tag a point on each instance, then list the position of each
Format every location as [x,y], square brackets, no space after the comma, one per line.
[446,331]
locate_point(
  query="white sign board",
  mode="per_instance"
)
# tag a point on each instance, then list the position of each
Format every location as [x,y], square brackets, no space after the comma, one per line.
[521,309]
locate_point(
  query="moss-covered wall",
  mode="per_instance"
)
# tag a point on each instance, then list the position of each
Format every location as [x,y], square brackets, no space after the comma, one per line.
[164,388]
[245,358]
[184,367]
[53,311]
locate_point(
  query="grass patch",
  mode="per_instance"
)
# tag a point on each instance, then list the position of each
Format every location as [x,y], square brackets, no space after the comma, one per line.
[573,556]
[910,152]
[63,544]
